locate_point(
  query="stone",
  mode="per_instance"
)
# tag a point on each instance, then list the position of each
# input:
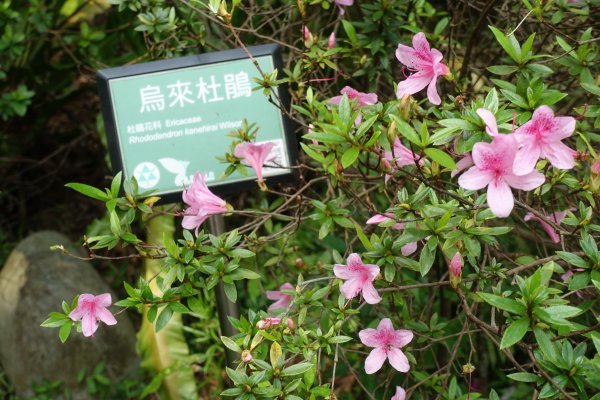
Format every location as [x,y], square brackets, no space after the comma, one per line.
[34,282]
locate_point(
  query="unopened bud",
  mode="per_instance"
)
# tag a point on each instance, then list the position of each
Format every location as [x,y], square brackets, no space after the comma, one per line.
[594,184]
[308,36]
[300,263]
[455,269]
[267,323]
[392,133]
[405,107]
[246,356]
[291,324]
[331,41]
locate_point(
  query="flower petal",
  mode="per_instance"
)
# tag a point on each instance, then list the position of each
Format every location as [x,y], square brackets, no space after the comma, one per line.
[402,337]
[564,127]
[343,272]
[103,300]
[351,288]
[370,337]
[491,127]
[475,179]
[526,158]
[385,325]
[89,325]
[525,182]
[370,293]
[408,249]
[432,93]
[105,316]
[375,360]
[413,84]
[398,360]
[560,155]
[500,198]
[400,394]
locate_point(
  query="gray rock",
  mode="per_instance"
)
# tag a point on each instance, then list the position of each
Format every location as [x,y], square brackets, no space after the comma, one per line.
[33,282]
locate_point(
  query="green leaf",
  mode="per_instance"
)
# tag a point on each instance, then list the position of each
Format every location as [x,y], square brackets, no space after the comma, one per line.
[407,131]
[116,185]
[339,339]
[503,69]
[525,377]
[88,190]
[514,333]
[546,346]
[363,238]
[428,255]
[506,44]
[441,157]
[563,311]
[593,89]
[163,318]
[64,332]
[503,303]
[350,31]
[230,291]
[326,137]
[242,273]
[296,369]
[350,156]
[230,344]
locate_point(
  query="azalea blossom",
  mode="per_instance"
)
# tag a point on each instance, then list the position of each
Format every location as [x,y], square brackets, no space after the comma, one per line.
[494,168]
[400,156]
[542,137]
[202,203]
[400,394]
[387,343]
[283,300]
[359,278]
[426,63]
[255,155]
[377,219]
[364,99]
[343,3]
[557,217]
[92,309]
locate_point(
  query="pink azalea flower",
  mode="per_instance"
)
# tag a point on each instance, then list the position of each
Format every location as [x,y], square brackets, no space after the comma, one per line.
[427,66]
[401,156]
[364,99]
[456,264]
[91,309]
[359,278]
[331,41]
[494,169]
[542,137]
[202,203]
[557,217]
[596,167]
[283,300]
[400,394]
[255,155]
[377,219]
[387,343]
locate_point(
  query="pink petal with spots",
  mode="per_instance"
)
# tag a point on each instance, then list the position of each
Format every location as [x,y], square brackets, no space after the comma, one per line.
[375,360]
[500,198]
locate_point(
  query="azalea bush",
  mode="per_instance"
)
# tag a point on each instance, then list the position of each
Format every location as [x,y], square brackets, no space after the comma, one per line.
[441,240]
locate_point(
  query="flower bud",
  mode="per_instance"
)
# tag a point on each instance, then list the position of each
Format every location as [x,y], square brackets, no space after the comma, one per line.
[308,37]
[331,41]
[246,356]
[455,269]
[267,323]
[595,177]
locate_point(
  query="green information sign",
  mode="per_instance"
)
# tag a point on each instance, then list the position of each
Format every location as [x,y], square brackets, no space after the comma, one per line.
[165,120]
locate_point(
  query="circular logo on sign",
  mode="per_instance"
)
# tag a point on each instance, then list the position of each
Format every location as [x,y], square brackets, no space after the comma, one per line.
[147,175]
